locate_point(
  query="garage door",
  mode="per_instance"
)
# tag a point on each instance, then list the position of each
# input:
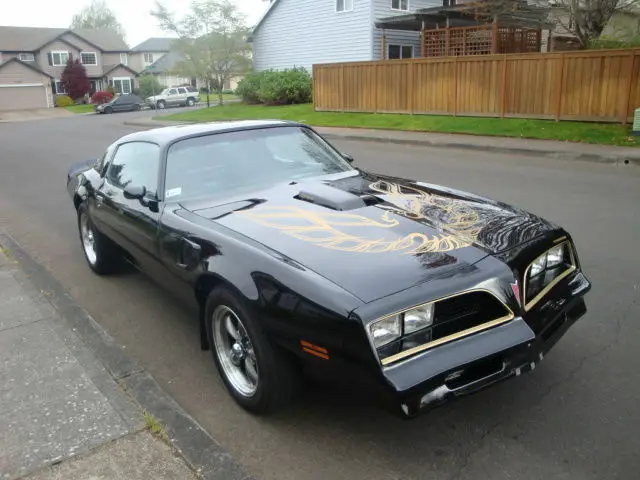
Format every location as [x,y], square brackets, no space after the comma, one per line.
[22,97]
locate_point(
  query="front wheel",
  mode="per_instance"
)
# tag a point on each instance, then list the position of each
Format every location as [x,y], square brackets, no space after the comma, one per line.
[190,102]
[101,255]
[161,104]
[108,110]
[257,374]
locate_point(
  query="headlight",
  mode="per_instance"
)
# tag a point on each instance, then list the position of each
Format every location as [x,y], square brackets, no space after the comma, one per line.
[418,318]
[555,256]
[538,266]
[385,330]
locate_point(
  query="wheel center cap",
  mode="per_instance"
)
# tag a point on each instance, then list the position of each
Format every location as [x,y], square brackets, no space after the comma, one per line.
[237,353]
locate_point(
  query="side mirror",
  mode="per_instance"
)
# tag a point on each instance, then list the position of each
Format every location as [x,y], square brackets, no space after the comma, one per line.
[133,192]
[347,157]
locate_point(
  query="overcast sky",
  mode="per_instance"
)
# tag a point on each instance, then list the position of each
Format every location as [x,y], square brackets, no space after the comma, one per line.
[132,14]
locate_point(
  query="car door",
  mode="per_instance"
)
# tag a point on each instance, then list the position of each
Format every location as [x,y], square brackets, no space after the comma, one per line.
[182,95]
[127,103]
[172,97]
[132,222]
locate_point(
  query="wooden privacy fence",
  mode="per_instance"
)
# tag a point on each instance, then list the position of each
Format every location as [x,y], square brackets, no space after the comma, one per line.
[593,85]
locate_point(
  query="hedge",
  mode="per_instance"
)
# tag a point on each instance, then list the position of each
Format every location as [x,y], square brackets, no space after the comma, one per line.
[273,87]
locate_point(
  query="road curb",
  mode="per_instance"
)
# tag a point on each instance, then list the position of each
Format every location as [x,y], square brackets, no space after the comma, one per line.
[613,159]
[198,449]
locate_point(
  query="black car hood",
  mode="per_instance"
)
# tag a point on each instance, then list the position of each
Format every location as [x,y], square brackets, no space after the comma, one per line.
[376,235]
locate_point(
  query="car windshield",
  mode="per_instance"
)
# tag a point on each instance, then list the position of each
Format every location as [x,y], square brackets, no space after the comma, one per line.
[237,162]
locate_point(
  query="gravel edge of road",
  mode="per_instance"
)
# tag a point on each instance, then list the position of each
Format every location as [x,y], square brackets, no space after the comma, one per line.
[613,159]
[195,445]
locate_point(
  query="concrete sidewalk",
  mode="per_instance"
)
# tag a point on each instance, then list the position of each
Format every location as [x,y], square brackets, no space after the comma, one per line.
[66,414]
[8,116]
[513,146]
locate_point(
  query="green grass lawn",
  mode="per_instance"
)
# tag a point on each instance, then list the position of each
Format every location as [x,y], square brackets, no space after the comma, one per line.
[80,108]
[607,134]
[213,98]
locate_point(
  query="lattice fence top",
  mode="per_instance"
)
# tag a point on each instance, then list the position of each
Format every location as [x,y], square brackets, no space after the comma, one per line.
[479,40]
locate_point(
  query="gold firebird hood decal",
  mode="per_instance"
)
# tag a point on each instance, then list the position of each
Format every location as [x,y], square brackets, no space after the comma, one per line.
[326,229]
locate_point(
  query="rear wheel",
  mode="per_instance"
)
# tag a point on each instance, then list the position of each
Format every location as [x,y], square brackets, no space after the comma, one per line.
[101,254]
[257,374]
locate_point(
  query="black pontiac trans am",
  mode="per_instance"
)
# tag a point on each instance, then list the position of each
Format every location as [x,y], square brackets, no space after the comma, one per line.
[297,258]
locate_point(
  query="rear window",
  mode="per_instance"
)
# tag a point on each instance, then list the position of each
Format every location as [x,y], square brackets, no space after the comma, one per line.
[238,162]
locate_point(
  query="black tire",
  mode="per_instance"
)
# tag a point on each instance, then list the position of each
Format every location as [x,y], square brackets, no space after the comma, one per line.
[190,102]
[278,376]
[161,104]
[138,107]
[108,110]
[107,256]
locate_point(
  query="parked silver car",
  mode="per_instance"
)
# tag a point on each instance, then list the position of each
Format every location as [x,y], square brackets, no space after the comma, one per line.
[175,96]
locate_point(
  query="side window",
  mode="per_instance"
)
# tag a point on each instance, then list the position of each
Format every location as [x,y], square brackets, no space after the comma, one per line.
[182,90]
[135,163]
[105,161]
[172,91]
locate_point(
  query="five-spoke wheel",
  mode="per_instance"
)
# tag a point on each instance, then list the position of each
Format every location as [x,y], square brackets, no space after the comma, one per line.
[235,351]
[258,374]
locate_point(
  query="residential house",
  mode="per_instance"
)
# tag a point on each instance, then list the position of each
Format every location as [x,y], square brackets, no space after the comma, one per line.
[150,51]
[303,32]
[157,56]
[32,61]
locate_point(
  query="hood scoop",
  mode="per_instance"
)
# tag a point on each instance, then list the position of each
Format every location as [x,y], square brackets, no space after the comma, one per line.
[334,198]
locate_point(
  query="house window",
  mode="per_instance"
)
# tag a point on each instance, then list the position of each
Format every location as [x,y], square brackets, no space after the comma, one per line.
[26,57]
[400,5]
[344,5]
[121,85]
[148,58]
[400,51]
[58,58]
[89,58]
[58,87]
[123,59]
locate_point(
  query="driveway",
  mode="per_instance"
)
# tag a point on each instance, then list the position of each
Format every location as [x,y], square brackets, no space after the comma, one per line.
[575,417]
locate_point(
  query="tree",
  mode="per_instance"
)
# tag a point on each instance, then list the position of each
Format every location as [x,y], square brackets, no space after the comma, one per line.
[99,16]
[587,19]
[584,19]
[74,78]
[212,39]
[149,85]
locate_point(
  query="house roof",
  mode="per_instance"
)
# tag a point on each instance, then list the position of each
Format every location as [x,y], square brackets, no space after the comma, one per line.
[165,63]
[459,16]
[105,39]
[272,5]
[16,60]
[29,39]
[107,69]
[19,39]
[154,44]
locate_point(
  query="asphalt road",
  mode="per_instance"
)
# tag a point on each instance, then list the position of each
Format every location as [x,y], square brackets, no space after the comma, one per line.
[575,417]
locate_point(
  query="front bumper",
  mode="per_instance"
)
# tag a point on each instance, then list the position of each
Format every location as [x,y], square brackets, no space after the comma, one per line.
[473,363]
